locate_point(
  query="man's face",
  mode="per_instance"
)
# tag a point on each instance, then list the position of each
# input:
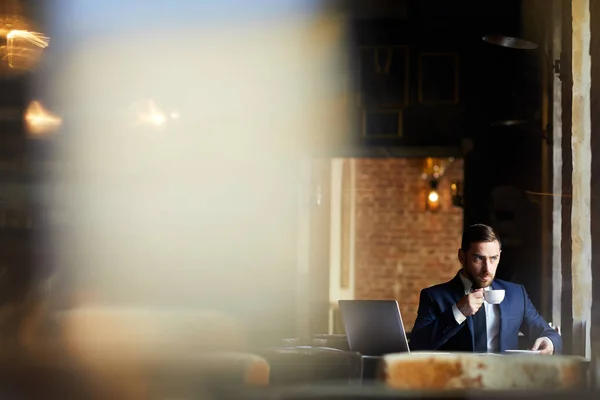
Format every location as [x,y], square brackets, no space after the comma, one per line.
[480,262]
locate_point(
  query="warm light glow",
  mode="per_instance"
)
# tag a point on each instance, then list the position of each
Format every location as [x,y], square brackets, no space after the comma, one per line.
[435,168]
[148,113]
[22,47]
[39,121]
[17,41]
[433,196]
[158,119]
[35,38]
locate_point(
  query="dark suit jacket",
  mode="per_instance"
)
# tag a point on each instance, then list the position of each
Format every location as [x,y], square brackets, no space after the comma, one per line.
[436,328]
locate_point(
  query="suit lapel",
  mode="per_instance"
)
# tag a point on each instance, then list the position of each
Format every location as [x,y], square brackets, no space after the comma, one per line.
[459,292]
[502,310]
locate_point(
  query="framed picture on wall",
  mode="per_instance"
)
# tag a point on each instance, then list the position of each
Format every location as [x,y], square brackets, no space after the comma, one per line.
[438,78]
[383,76]
[382,124]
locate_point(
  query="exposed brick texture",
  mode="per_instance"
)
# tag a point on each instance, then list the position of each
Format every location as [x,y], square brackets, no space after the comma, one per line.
[400,246]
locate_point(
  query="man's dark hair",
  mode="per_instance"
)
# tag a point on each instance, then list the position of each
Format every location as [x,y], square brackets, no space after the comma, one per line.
[478,233]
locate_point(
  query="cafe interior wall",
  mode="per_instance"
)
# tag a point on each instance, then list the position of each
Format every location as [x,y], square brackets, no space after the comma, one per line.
[385,242]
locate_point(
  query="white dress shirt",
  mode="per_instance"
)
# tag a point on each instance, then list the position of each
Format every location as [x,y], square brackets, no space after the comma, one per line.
[492,317]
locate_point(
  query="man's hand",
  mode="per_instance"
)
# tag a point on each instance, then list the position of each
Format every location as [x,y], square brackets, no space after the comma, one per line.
[471,303]
[544,345]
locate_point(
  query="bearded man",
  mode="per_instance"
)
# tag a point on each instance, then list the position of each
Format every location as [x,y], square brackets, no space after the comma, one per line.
[455,316]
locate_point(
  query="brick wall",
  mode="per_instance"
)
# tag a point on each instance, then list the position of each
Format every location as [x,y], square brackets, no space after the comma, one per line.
[400,246]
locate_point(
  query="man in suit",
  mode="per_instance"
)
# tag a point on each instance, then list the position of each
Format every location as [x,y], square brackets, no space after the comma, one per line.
[453,316]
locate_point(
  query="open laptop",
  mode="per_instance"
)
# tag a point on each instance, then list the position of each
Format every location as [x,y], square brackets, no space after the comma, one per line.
[374,327]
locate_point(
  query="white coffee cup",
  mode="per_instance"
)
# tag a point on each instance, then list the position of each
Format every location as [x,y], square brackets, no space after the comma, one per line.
[494,296]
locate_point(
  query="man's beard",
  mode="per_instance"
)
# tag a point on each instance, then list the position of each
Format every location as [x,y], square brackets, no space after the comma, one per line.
[477,281]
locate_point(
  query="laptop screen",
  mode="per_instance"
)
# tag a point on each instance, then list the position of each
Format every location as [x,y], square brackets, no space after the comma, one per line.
[374,327]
